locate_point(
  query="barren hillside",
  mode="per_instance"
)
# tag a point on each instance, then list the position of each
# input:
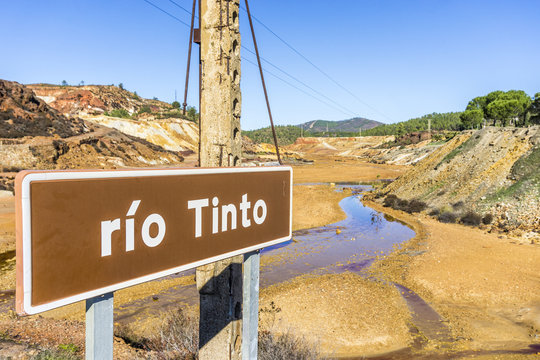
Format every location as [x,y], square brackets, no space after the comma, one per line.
[366,148]
[93,99]
[490,170]
[35,136]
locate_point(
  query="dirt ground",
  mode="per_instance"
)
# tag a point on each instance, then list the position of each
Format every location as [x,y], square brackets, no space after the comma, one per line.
[483,285]
[344,170]
[343,314]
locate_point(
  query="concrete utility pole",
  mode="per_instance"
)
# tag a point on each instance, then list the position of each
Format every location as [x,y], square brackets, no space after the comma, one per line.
[220,283]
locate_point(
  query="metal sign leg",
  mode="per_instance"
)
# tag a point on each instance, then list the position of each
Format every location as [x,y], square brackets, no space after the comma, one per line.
[251,306]
[99,327]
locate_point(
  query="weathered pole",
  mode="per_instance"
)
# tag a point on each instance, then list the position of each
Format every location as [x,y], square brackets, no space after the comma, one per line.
[220,283]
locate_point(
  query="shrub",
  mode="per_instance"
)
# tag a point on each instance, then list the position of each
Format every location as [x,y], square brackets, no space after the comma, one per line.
[471,218]
[416,206]
[144,109]
[390,200]
[458,205]
[402,204]
[286,346]
[57,354]
[434,212]
[175,105]
[119,113]
[178,337]
[487,219]
[447,217]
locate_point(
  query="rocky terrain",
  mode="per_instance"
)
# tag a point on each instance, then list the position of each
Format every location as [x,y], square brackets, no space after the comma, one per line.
[94,99]
[33,135]
[374,149]
[493,170]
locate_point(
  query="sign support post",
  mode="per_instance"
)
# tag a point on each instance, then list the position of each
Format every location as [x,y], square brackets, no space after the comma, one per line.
[99,327]
[220,145]
[251,305]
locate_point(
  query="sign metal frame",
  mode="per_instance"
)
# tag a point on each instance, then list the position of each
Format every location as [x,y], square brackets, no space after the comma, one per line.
[24,228]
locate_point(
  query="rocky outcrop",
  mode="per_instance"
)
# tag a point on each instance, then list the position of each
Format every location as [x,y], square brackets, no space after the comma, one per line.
[35,136]
[94,99]
[493,170]
[24,114]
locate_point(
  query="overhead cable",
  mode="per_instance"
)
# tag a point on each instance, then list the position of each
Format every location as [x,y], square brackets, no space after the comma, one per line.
[318,68]
[335,105]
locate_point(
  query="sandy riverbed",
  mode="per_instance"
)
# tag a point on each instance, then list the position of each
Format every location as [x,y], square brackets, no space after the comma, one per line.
[484,287]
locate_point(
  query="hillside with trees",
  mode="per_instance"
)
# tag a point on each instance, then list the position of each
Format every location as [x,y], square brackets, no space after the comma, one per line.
[444,121]
[349,126]
[499,108]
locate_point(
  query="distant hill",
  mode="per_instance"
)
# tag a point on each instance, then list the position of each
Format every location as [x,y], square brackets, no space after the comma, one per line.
[444,121]
[348,126]
[287,134]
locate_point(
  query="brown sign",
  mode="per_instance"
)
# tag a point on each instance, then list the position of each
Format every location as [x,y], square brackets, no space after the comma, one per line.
[81,234]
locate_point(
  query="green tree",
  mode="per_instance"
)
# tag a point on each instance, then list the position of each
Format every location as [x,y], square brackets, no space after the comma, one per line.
[192,114]
[472,118]
[521,108]
[506,107]
[64,83]
[502,110]
[534,109]
[175,105]
[478,103]
[121,86]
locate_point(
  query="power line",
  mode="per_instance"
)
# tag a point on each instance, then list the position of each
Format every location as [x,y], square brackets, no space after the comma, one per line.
[183,8]
[301,82]
[336,105]
[316,67]
[297,88]
[166,12]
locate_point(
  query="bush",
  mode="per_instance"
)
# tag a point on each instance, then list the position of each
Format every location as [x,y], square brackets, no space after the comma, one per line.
[175,105]
[434,212]
[57,354]
[458,205]
[178,337]
[119,113]
[471,218]
[390,200]
[286,346]
[487,219]
[447,217]
[416,206]
[144,109]
[402,204]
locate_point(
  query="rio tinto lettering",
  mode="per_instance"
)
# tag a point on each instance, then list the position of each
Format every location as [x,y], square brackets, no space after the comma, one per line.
[229,219]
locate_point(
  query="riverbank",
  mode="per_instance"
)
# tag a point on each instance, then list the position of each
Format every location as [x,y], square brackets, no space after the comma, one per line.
[328,170]
[485,286]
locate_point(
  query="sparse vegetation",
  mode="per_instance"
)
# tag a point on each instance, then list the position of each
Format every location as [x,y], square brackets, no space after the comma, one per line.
[434,212]
[447,217]
[413,206]
[64,352]
[119,113]
[285,346]
[471,218]
[416,206]
[444,121]
[487,219]
[178,337]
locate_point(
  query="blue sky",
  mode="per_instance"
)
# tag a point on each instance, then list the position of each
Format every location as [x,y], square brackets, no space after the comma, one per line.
[401,59]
